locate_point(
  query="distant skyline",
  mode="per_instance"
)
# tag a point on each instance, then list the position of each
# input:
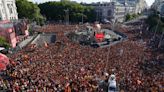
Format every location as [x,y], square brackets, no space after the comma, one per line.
[149,2]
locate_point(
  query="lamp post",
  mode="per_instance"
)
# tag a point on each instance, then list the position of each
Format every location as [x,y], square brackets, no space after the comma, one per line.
[82,18]
[98,12]
[97,15]
[113,25]
[156,27]
[160,42]
[67,16]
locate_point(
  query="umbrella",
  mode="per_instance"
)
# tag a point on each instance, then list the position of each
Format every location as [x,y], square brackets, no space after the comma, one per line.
[4,61]
[2,66]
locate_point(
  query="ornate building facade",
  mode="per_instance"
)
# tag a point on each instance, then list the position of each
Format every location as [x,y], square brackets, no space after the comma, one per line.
[159,6]
[117,9]
[8,10]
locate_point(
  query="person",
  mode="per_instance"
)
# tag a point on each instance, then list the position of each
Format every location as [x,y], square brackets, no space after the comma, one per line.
[112,83]
[67,88]
[121,51]
[97,27]
[76,28]
[45,44]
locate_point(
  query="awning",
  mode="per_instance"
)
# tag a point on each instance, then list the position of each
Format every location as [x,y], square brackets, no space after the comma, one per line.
[2,48]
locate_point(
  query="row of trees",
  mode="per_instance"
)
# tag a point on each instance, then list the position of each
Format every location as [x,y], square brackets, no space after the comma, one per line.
[29,10]
[4,43]
[60,10]
[155,21]
[129,17]
[156,25]
[55,11]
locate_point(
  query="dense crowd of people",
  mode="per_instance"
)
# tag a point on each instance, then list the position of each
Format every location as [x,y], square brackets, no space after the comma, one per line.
[66,66]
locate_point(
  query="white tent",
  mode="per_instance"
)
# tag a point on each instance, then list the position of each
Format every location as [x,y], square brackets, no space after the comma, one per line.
[2,48]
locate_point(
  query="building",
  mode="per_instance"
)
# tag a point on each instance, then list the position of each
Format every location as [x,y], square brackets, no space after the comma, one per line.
[156,4]
[104,10]
[126,1]
[159,6]
[6,31]
[123,7]
[12,29]
[117,9]
[14,32]
[8,10]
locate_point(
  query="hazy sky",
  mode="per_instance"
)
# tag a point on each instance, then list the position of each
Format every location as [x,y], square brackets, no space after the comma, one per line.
[149,2]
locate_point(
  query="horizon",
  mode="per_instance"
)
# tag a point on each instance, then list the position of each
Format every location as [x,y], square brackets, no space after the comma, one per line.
[149,2]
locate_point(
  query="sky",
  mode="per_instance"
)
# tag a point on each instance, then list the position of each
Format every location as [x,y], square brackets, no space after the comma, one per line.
[149,2]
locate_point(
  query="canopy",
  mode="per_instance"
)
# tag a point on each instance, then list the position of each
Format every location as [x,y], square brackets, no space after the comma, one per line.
[4,61]
[2,48]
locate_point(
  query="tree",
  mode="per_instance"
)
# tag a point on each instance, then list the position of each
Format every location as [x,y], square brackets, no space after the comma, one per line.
[130,16]
[76,11]
[4,43]
[28,10]
[155,22]
[90,14]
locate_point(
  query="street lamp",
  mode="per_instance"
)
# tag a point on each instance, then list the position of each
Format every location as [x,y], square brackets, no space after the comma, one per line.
[108,49]
[97,14]
[67,16]
[160,42]
[82,18]
[156,27]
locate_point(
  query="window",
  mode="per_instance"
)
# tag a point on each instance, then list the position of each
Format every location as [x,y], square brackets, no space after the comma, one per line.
[162,9]
[10,8]
[3,11]
[109,12]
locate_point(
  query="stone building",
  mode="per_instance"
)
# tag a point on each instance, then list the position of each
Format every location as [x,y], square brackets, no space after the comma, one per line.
[117,9]
[14,32]
[8,10]
[121,9]
[104,10]
[159,6]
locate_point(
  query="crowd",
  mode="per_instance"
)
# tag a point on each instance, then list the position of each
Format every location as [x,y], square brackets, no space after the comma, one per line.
[69,67]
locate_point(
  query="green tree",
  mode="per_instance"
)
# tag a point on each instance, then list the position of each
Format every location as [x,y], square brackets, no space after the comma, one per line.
[155,22]
[130,16]
[29,10]
[4,43]
[90,14]
[76,11]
